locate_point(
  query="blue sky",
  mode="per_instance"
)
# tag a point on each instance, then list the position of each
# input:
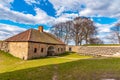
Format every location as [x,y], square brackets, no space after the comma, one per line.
[19,15]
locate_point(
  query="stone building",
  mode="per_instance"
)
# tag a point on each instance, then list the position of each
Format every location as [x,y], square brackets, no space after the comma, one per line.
[34,44]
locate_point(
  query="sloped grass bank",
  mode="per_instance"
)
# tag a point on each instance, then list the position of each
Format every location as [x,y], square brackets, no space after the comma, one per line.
[55,68]
[9,63]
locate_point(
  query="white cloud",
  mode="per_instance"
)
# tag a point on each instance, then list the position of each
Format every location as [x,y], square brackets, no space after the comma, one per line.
[92,7]
[9,30]
[101,8]
[103,27]
[65,17]
[6,3]
[47,30]
[40,18]
[30,2]
[59,11]
[85,12]
[104,31]
[66,5]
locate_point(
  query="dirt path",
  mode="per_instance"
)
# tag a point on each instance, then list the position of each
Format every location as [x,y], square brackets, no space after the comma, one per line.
[55,74]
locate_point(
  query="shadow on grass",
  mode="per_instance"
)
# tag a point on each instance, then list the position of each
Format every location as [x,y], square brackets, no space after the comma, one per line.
[48,72]
[75,70]
[36,73]
[66,54]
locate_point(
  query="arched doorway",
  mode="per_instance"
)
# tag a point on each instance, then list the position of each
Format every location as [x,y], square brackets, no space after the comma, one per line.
[50,51]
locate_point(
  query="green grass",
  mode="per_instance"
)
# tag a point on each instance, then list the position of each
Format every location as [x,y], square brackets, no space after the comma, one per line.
[61,68]
[73,55]
[9,63]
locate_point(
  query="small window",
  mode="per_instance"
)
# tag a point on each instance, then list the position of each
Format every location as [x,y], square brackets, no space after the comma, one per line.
[70,49]
[42,49]
[35,50]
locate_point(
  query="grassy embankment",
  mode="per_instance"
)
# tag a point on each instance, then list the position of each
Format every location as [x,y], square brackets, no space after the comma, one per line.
[69,66]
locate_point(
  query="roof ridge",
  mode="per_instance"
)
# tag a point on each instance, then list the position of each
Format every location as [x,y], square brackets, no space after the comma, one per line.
[29,34]
[54,37]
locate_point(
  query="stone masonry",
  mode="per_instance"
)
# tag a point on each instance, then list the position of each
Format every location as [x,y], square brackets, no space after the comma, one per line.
[95,50]
[4,46]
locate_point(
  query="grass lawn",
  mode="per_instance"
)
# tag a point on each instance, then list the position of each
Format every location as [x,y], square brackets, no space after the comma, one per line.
[64,67]
[9,63]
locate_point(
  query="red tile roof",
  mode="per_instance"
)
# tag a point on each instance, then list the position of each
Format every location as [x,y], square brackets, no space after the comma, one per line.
[33,35]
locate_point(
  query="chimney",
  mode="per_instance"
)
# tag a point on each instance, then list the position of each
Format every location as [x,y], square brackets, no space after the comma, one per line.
[40,28]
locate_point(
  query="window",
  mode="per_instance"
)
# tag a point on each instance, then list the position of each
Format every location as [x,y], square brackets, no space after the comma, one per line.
[70,49]
[42,49]
[35,50]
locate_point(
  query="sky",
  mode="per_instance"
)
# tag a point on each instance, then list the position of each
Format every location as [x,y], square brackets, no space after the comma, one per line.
[19,15]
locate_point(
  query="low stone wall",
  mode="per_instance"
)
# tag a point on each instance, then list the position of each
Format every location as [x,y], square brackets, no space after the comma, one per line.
[95,50]
[4,46]
[73,48]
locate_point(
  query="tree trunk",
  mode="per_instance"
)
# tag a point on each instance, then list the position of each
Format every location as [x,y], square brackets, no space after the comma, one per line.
[76,41]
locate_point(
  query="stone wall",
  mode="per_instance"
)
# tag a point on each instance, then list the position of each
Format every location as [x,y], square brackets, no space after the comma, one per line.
[72,48]
[42,53]
[19,49]
[95,50]
[4,46]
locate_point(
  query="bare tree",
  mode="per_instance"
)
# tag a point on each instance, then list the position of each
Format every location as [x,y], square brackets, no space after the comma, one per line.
[62,30]
[96,41]
[116,32]
[67,31]
[112,38]
[89,30]
[83,29]
[77,31]
[80,29]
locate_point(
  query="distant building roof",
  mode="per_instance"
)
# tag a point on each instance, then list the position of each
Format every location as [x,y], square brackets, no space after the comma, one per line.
[33,35]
